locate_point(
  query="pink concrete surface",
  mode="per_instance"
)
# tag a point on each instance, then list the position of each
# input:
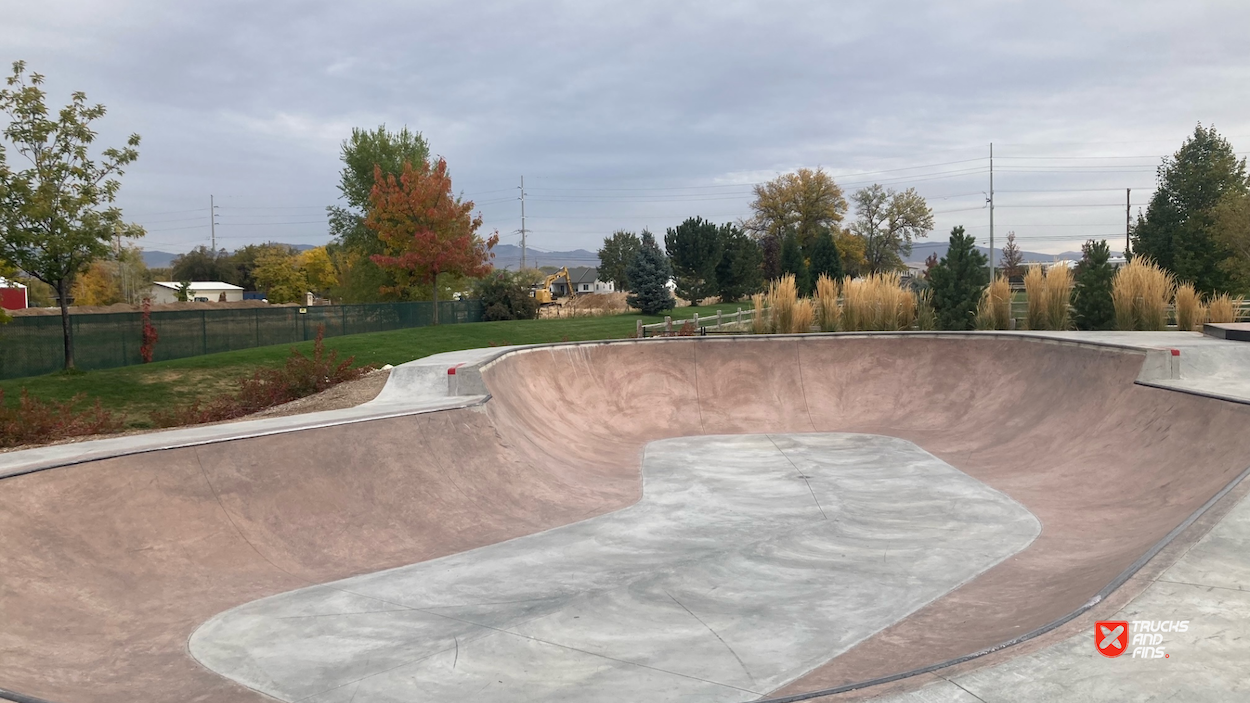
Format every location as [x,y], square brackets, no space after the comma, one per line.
[109,566]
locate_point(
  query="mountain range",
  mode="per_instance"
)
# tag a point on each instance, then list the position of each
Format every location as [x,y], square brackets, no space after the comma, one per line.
[508,256]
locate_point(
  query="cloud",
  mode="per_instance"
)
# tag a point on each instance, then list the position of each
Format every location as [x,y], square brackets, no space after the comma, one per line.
[249,101]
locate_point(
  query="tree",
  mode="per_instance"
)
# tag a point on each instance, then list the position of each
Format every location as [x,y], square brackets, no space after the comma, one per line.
[1012,264]
[806,202]
[792,261]
[318,270]
[425,230]
[615,256]
[506,296]
[851,252]
[56,216]
[1232,232]
[183,292]
[958,281]
[278,273]
[930,261]
[1177,231]
[361,153]
[693,249]
[887,221]
[98,285]
[823,258]
[648,278]
[204,264]
[738,273]
[1092,300]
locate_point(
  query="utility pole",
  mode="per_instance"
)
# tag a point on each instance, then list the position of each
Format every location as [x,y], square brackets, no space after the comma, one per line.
[212,219]
[523,230]
[991,211]
[1128,192]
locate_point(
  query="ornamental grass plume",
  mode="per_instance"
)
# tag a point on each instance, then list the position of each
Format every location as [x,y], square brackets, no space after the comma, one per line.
[1035,294]
[828,312]
[1190,312]
[1141,293]
[1057,300]
[783,295]
[802,317]
[759,321]
[994,310]
[1224,308]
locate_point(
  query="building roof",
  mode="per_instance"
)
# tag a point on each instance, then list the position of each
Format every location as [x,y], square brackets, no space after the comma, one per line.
[6,283]
[198,286]
[583,274]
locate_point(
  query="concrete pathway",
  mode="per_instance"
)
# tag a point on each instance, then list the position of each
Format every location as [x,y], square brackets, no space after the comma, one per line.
[750,560]
[415,387]
[1209,587]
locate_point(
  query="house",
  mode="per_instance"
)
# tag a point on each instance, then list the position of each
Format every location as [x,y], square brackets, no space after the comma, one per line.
[585,280]
[201,291]
[12,295]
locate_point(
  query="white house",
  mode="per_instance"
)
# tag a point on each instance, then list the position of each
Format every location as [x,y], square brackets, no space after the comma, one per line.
[201,291]
[585,280]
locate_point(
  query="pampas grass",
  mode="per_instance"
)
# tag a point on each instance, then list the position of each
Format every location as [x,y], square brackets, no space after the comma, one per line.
[1141,292]
[828,311]
[1058,298]
[783,294]
[926,316]
[759,322]
[1035,292]
[1224,308]
[994,310]
[802,316]
[877,302]
[1190,313]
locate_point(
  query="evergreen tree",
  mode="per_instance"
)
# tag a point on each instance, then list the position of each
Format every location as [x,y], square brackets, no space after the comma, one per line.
[958,282]
[740,271]
[1177,229]
[1012,263]
[694,249]
[648,278]
[823,258]
[792,262]
[1092,298]
[615,256]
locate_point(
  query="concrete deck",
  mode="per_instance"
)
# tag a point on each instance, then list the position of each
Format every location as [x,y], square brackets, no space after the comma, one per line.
[111,562]
[1209,587]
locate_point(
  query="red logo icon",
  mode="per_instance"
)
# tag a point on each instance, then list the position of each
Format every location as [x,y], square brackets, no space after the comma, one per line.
[1111,637]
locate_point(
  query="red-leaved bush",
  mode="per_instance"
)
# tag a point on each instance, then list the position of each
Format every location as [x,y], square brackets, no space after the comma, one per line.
[34,421]
[301,376]
[147,345]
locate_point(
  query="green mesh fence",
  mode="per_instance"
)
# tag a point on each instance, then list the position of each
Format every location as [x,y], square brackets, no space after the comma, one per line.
[30,346]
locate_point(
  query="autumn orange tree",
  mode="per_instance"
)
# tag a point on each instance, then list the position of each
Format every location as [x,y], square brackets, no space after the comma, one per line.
[425,230]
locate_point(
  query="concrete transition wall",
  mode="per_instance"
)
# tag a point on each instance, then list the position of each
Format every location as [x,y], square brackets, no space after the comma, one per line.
[108,567]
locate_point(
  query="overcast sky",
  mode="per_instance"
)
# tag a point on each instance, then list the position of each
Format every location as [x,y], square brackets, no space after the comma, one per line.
[624,115]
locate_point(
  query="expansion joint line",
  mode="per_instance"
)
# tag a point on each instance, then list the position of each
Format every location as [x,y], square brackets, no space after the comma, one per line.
[802,475]
[714,634]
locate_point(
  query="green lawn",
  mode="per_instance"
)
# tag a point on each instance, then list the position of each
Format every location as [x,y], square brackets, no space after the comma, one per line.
[134,391]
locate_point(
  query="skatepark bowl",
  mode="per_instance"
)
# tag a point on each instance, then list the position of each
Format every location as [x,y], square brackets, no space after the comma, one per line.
[687,519]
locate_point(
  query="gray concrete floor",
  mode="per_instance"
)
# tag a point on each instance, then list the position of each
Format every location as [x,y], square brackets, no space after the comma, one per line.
[750,560]
[1209,586]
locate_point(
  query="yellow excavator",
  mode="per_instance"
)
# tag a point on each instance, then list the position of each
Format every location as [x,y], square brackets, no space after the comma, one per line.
[542,293]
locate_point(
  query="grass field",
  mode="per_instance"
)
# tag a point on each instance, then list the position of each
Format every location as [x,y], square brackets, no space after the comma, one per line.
[135,391]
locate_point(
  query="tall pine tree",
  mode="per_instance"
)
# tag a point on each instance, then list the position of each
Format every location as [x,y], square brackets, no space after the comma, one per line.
[792,262]
[648,277]
[694,250]
[740,271]
[823,258]
[958,282]
[1177,229]
[1092,297]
